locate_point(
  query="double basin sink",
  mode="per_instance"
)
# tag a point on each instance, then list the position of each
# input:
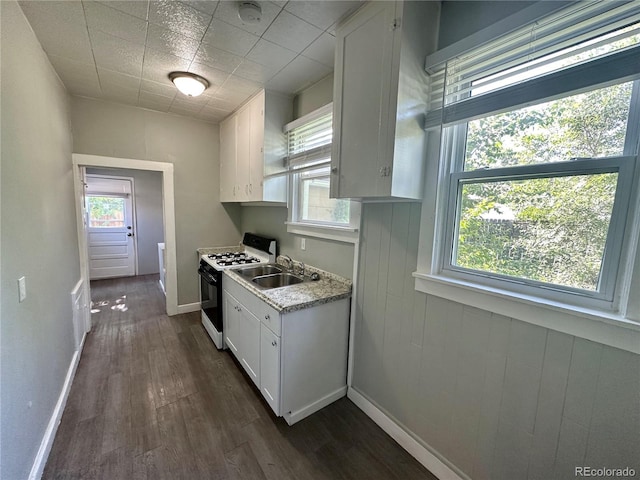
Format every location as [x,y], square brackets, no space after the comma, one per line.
[269,276]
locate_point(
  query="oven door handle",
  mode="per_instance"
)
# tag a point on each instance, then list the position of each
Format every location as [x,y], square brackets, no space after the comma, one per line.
[207,277]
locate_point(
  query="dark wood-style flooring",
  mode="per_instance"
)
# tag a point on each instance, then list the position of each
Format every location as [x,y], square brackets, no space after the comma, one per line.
[153,399]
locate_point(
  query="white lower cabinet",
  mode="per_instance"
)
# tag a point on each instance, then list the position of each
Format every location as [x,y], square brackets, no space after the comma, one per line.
[270,368]
[298,360]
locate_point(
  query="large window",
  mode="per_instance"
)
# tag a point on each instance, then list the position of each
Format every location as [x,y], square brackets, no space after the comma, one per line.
[311,210]
[538,159]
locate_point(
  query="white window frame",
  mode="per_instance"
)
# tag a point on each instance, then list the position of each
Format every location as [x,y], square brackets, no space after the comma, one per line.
[612,319]
[348,233]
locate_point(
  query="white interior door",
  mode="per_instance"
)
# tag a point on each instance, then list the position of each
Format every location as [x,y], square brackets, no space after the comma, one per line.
[110,227]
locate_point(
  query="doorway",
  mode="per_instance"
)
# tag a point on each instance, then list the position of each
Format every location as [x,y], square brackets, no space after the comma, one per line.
[110,210]
[83,161]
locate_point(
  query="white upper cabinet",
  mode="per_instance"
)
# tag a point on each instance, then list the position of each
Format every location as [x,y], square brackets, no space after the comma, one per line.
[380,98]
[252,148]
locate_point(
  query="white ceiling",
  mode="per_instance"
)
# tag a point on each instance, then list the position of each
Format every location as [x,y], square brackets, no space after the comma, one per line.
[123,51]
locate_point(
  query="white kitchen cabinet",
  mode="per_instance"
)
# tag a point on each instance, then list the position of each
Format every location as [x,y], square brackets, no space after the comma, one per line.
[270,367]
[228,129]
[380,97]
[302,364]
[258,152]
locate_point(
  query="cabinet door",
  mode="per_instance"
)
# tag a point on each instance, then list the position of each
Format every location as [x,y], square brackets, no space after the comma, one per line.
[363,123]
[256,146]
[250,343]
[270,368]
[243,142]
[228,159]
[231,324]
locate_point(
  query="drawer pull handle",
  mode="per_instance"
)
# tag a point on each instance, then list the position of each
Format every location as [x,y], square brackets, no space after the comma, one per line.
[267,317]
[274,343]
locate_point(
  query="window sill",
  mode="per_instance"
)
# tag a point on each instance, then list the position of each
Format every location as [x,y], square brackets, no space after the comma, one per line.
[598,326]
[339,234]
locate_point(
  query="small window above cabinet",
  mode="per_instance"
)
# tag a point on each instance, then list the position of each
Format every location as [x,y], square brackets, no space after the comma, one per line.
[252,149]
[380,97]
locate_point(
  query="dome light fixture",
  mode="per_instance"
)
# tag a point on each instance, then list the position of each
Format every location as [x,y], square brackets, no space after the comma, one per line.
[250,12]
[189,83]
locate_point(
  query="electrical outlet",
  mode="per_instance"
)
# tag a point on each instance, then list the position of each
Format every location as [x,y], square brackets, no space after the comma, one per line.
[22,289]
[303,244]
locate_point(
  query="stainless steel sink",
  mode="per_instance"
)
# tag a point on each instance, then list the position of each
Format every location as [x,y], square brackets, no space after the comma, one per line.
[258,271]
[277,280]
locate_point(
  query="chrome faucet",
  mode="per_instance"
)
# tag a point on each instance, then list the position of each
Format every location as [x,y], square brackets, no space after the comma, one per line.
[301,267]
[289,261]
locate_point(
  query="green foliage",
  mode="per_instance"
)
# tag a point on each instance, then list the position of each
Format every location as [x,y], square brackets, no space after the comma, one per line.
[551,229]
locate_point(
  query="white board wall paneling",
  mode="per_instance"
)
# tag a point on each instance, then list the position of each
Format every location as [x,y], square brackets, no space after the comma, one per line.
[494,397]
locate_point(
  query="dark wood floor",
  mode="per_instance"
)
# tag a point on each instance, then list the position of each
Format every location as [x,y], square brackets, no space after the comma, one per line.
[154,399]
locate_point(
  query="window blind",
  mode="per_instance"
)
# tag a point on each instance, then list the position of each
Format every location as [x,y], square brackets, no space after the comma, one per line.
[586,44]
[309,140]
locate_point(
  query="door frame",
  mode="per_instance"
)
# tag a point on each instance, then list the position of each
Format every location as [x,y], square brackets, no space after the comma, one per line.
[81,160]
[134,218]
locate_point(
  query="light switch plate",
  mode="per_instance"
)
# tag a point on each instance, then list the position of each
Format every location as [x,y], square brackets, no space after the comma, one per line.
[303,244]
[22,289]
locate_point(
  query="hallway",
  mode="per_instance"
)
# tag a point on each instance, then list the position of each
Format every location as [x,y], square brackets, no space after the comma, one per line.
[153,399]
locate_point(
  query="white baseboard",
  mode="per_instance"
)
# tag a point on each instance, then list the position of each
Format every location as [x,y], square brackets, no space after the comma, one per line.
[298,415]
[404,439]
[188,307]
[50,433]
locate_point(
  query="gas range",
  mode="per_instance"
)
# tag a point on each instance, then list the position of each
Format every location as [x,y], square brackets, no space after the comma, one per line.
[226,260]
[256,250]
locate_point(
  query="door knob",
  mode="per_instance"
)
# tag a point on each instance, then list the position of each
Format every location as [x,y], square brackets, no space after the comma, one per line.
[129,234]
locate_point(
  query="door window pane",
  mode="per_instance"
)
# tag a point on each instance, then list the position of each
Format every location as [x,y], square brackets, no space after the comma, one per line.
[106,212]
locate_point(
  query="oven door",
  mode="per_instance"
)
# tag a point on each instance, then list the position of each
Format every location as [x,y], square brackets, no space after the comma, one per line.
[210,296]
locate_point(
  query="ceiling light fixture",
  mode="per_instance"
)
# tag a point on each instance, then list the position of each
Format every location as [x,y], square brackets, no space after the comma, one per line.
[188,83]
[249,12]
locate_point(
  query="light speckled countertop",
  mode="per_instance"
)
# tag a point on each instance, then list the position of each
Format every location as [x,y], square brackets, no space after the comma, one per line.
[329,288]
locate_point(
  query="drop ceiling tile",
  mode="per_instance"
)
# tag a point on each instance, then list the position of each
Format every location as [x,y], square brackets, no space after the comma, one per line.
[60,28]
[322,50]
[117,54]
[211,116]
[322,14]
[158,107]
[189,103]
[137,8]
[207,7]
[119,93]
[254,71]
[179,17]
[229,38]
[165,40]
[179,110]
[157,65]
[214,76]
[242,85]
[71,71]
[291,32]
[300,73]
[116,79]
[270,54]
[233,97]
[227,11]
[84,89]
[115,22]
[159,89]
[216,58]
[218,103]
[150,98]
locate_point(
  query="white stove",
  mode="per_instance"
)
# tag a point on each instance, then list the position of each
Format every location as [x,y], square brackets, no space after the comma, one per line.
[256,250]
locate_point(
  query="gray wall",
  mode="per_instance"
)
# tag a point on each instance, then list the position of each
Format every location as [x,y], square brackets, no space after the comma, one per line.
[459,19]
[148,204]
[114,130]
[38,241]
[335,257]
[495,397]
